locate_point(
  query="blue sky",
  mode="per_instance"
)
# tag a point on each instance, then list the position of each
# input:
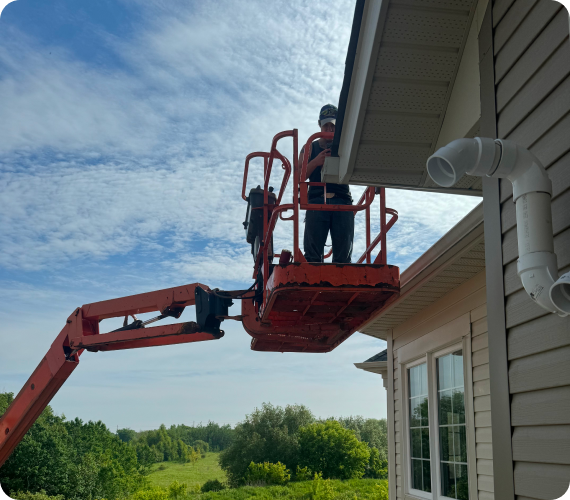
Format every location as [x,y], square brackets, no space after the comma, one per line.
[125,124]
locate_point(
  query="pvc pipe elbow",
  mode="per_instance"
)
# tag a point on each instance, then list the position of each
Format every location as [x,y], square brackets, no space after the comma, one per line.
[463,156]
[538,272]
[560,295]
[522,168]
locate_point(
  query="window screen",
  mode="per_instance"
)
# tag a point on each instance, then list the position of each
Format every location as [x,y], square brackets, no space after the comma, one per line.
[452,430]
[419,428]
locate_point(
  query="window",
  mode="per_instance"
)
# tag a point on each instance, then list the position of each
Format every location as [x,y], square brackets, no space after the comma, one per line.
[419,428]
[452,428]
[437,427]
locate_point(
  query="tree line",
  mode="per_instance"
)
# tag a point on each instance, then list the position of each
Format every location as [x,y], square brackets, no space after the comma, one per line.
[180,443]
[299,444]
[86,461]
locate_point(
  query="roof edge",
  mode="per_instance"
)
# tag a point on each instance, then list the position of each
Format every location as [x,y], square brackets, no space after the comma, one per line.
[348,67]
[373,366]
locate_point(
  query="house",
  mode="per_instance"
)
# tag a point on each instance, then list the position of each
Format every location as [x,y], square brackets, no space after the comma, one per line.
[477,373]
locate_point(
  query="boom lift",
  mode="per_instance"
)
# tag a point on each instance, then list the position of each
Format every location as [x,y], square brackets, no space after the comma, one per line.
[292,306]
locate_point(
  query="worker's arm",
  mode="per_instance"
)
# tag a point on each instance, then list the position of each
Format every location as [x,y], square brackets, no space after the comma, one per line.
[316,162]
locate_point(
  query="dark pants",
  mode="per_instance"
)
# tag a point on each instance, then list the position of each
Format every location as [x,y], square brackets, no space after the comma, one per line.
[319,223]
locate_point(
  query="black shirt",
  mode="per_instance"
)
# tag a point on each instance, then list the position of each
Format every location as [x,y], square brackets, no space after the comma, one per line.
[340,190]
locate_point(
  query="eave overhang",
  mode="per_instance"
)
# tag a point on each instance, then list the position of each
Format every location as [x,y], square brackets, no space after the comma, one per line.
[453,260]
[399,78]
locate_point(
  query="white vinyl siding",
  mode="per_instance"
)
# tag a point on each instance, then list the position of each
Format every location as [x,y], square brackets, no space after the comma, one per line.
[468,298]
[532,73]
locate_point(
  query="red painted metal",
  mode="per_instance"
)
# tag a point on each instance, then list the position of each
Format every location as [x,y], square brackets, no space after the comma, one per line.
[315,307]
[265,319]
[80,333]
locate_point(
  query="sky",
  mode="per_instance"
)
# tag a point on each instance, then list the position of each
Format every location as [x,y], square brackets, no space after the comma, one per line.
[123,133]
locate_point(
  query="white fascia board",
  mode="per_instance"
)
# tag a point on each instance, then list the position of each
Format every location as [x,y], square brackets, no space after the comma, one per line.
[373,19]
[379,367]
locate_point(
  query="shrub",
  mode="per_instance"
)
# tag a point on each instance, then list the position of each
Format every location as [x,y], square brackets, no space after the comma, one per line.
[267,473]
[333,450]
[382,490]
[213,485]
[154,493]
[269,434]
[201,446]
[177,490]
[377,468]
[303,474]
[321,489]
[41,495]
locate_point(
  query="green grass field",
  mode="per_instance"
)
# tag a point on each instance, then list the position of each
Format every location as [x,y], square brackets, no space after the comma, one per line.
[199,473]
[208,468]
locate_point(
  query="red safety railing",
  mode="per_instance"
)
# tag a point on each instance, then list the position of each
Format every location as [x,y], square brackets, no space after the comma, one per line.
[272,212]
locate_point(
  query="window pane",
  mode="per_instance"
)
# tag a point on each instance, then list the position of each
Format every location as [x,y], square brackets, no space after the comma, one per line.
[415,412]
[446,443]
[427,475]
[448,480]
[425,443]
[415,384]
[445,372]
[458,407]
[452,430]
[461,482]
[424,411]
[419,428]
[457,368]
[416,443]
[462,436]
[423,380]
[417,474]
[445,416]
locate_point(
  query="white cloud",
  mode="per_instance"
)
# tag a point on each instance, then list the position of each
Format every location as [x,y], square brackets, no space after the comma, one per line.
[117,180]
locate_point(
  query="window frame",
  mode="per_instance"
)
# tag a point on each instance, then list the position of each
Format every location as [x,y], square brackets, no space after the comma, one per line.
[406,421]
[462,342]
[435,356]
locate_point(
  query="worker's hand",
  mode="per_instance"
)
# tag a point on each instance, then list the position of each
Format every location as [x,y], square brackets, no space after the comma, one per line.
[319,160]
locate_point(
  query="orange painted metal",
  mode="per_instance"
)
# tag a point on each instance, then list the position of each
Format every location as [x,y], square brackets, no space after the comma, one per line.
[80,333]
[315,307]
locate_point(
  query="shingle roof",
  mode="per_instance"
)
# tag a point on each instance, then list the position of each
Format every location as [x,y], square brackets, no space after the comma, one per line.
[381,356]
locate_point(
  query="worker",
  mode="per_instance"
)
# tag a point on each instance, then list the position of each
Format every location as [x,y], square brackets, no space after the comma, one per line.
[318,223]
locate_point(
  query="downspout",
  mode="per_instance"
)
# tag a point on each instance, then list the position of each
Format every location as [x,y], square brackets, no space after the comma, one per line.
[532,192]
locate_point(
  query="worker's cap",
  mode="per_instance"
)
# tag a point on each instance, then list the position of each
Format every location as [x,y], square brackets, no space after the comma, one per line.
[328,114]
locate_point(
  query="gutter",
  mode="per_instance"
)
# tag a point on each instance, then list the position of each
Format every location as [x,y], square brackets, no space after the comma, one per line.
[348,68]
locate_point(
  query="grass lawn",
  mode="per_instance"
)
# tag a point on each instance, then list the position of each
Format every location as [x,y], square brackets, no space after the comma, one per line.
[199,473]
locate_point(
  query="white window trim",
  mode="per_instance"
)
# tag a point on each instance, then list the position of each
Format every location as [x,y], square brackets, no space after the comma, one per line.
[434,414]
[406,456]
[447,343]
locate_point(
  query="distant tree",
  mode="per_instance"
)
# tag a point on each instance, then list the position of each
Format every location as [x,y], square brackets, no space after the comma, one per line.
[201,446]
[269,434]
[333,450]
[126,435]
[372,431]
[42,460]
[375,433]
[218,437]
[80,461]
[377,467]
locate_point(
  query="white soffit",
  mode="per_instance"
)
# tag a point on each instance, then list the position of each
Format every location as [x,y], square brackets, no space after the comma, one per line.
[453,260]
[407,58]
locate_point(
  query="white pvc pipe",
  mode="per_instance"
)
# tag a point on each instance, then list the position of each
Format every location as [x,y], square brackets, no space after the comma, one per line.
[532,191]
